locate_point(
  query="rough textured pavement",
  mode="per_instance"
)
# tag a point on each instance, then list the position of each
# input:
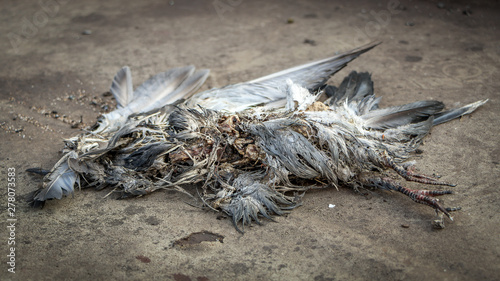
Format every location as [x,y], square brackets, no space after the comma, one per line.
[52,76]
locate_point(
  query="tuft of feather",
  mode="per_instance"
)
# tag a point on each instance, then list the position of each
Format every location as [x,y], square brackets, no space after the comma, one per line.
[60,181]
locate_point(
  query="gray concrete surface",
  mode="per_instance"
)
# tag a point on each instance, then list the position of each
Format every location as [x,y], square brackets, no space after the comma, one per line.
[444,51]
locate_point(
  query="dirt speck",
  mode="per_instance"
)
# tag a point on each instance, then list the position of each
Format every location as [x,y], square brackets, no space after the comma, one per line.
[199,237]
[143,259]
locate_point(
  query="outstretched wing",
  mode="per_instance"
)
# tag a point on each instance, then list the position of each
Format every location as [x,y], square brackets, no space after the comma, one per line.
[272,88]
[315,74]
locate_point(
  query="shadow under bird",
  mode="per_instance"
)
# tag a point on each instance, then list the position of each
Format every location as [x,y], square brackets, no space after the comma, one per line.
[253,148]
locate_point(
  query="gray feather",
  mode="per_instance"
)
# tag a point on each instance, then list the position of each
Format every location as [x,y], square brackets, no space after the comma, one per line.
[162,89]
[315,74]
[182,91]
[121,87]
[448,115]
[159,87]
[292,150]
[60,181]
[396,116]
[354,88]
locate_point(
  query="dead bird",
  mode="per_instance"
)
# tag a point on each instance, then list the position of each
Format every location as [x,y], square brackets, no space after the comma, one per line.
[254,147]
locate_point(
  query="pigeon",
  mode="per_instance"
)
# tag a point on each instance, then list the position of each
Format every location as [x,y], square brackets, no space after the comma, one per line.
[252,149]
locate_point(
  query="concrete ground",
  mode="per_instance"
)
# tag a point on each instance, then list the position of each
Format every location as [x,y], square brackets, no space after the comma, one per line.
[52,76]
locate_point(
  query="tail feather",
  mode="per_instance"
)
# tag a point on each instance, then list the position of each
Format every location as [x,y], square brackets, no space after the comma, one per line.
[357,90]
[38,171]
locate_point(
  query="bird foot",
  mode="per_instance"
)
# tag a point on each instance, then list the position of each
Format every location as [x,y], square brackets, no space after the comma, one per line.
[426,197]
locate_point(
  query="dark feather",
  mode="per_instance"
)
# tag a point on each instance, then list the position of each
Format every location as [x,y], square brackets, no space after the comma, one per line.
[144,157]
[38,171]
[396,116]
[354,87]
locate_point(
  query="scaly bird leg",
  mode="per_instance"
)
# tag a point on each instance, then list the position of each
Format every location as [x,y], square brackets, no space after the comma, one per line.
[425,197]
[410,175]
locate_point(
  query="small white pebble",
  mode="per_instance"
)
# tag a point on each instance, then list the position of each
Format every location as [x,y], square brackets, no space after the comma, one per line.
[331,206]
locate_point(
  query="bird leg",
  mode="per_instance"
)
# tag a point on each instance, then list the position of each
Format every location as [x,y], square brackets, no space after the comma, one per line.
[410,175]
[426,197]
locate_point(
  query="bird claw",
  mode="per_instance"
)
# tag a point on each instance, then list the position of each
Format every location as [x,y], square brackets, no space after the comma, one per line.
[433,202]
[438,223]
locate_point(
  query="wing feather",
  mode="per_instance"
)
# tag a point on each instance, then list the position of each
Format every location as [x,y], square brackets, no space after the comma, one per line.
[121,87]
